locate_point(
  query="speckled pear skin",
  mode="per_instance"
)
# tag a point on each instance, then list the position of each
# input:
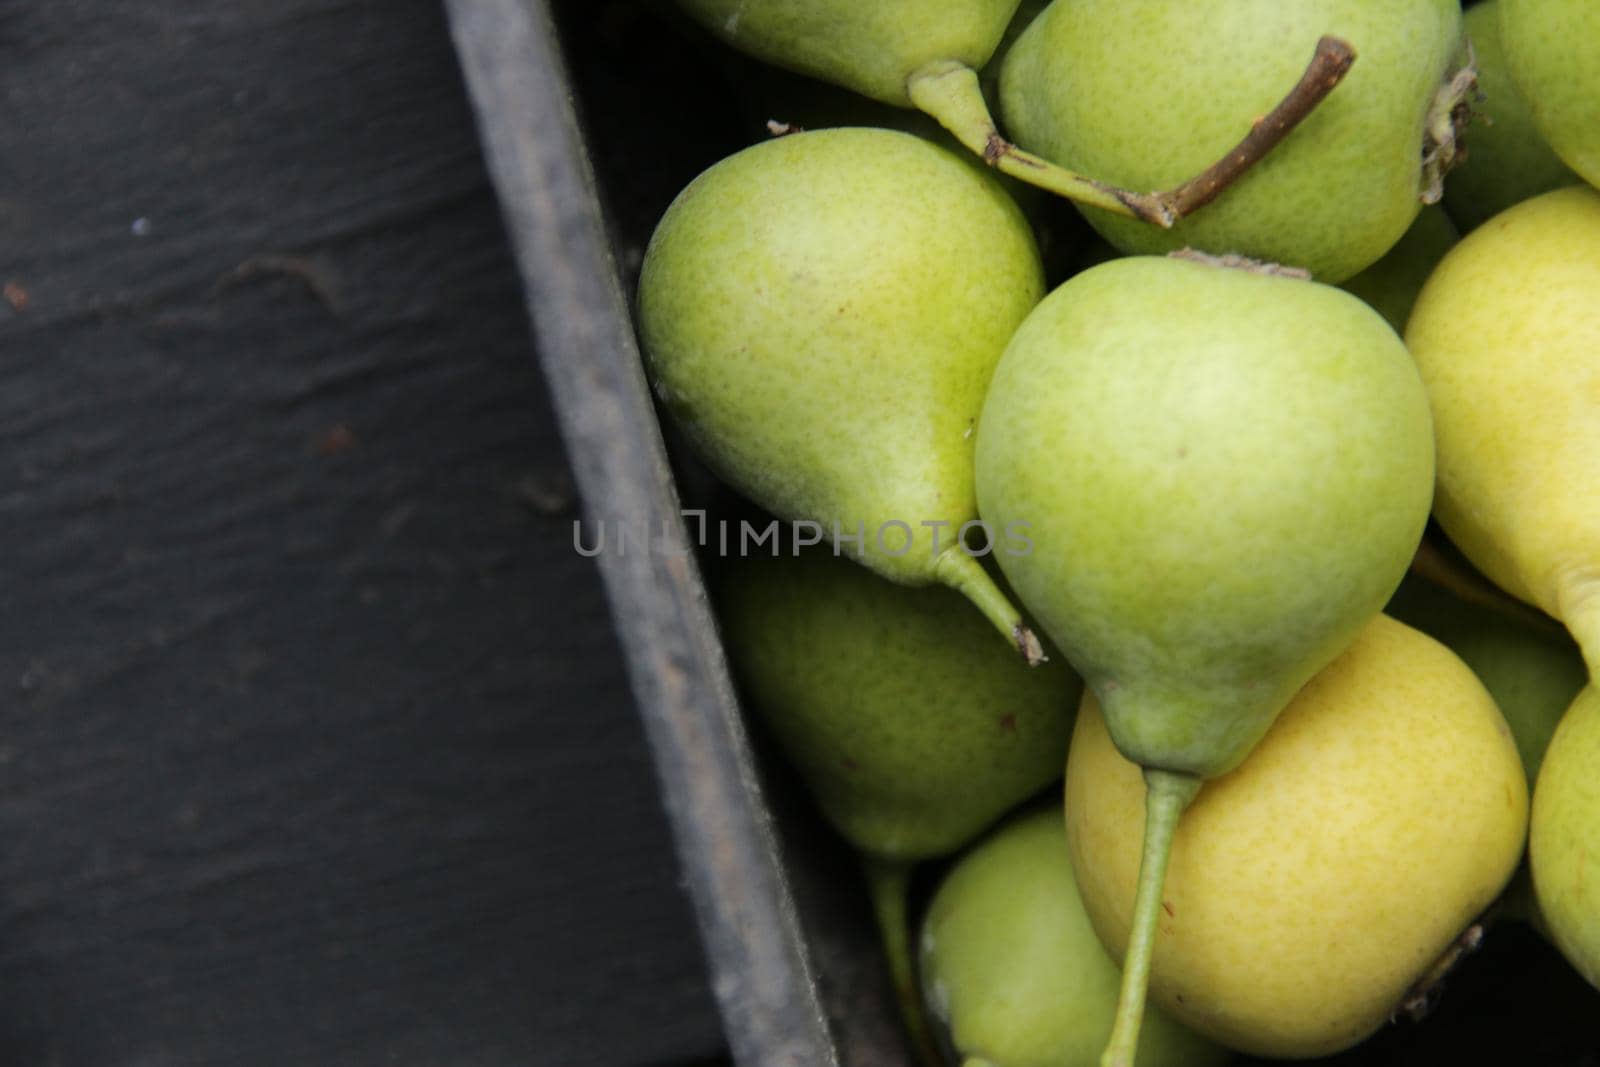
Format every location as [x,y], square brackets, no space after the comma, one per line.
[1507,336]
[1508,160]
[1011,967]
[1564,839]
[1552,48]
[1144,94]
[1311,888]
[869,47]
[1224,474]
[1532,676]
[821,314]
[913,728]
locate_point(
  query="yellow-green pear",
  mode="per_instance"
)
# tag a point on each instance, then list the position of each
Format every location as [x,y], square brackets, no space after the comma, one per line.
[1507,159]
[1564,839]
[1532,675]
[1011,970]
[1553,50]
[776,99]
[1506,334]
[926,54]
[875,49]
[912,728]
[921,54]
[1311,889]
[821,314]
[1223,473]
[1143,93]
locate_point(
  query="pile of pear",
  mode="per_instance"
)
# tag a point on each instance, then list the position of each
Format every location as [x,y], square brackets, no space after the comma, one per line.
[1211,622]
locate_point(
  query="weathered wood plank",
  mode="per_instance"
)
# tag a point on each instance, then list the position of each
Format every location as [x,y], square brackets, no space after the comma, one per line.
[313,747]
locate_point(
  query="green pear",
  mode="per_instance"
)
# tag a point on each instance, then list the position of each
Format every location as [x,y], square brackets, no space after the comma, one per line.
[922,54]
[1011,968]
[1507,336]
[1143,93]
[1313,889]
[1552,48]
[911,730]
[1507,160]
[1223,474]
[926,54]
[1391,285]
[1532,675]
[1564,837]
[821,314]
[873,49]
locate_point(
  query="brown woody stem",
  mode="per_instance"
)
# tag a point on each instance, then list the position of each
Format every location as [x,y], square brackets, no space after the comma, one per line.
[949,92]
[1328,66]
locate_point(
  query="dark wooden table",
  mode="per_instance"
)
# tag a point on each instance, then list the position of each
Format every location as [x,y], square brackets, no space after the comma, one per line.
[314,749]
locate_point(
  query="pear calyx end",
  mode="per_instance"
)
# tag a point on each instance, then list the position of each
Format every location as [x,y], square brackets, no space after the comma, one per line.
[1451,112]
[1235,261]
[1028,644]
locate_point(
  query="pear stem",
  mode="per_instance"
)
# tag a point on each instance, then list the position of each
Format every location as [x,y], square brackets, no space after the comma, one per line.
[1167,794]
[961,572]
[1423,995]
[889,886]
[950,93]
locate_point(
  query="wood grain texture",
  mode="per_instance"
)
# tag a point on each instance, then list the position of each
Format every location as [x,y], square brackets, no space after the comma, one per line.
[539,158]
[313,747]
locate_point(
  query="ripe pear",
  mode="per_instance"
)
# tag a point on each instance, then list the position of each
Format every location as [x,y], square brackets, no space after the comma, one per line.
[926,54]
[1312,889]
[906,53]
[1565,836]
[1552,48]
[911,729]
[1011,969]
[821,314]
[1532,674]
[1507,336]
[1391,285]
[1224,475]
[1143,93]
[1507,159]
[873,49]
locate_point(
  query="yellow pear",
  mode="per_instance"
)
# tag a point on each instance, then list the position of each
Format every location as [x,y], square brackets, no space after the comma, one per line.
[1506,333]
[1313,887]
[1565,838]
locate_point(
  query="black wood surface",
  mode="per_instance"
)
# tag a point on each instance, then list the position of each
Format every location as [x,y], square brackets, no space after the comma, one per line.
[313,744]
[538,155]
